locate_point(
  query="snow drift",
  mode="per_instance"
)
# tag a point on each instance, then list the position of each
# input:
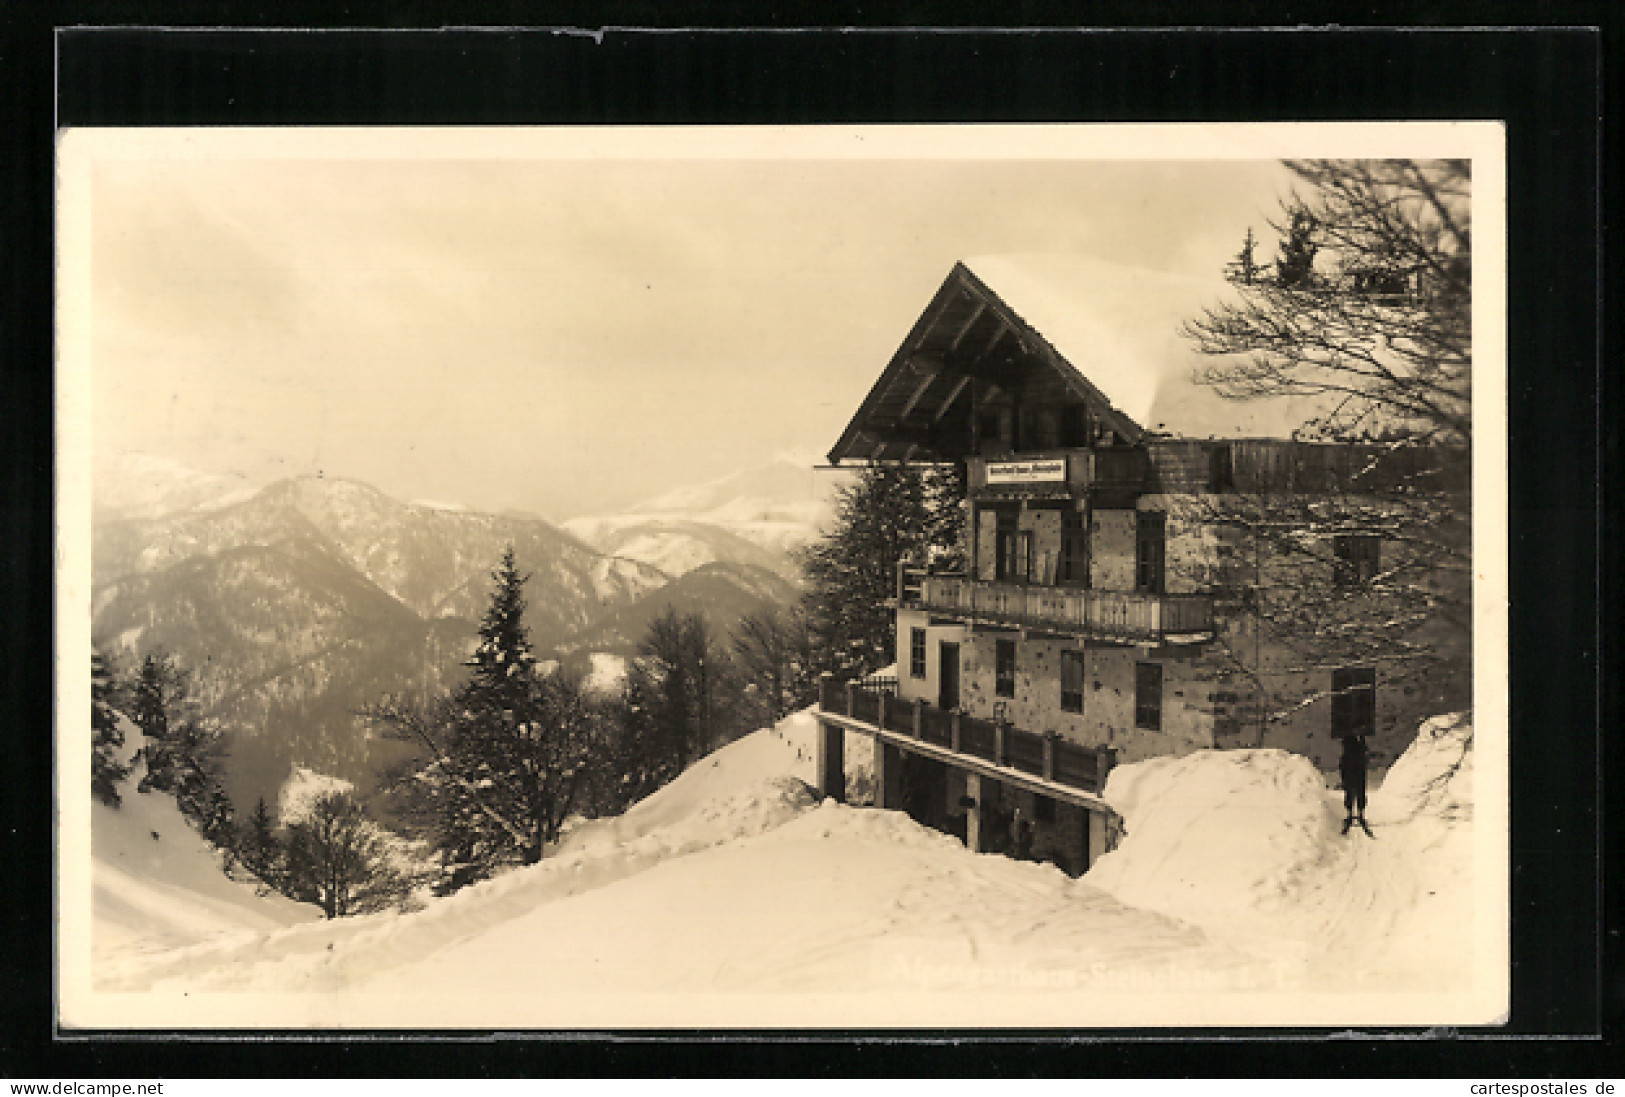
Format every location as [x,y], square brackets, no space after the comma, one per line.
[157,886]
[736,879]
[1248,846]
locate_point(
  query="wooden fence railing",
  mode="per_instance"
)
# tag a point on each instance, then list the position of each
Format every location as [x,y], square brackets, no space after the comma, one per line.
[1044,756]
[1107,613]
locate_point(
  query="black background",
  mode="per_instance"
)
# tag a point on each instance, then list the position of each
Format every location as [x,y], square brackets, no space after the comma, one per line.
[1545,83]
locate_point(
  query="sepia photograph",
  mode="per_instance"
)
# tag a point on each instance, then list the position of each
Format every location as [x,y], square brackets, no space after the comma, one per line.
[859,577]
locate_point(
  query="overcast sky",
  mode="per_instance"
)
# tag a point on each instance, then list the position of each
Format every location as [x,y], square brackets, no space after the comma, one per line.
[567,336]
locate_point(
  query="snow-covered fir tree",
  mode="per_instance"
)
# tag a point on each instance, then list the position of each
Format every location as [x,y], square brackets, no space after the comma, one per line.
[106,771]
[259,848]
[183,752]
[892,513]
[158,698]
[506,757]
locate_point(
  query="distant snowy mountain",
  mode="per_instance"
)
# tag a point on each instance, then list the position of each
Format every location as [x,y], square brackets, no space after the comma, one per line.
[298,603]
[676,546]
[142,485]
[723,593]
[774,510]
[304,601]
[775,489]
[435,561]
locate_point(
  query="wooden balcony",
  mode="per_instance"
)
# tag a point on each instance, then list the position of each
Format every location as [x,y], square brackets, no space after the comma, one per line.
[1068,473]
[1045,763]
[1123,616]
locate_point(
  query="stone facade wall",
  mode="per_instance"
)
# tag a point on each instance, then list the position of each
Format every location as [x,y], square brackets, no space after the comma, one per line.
[1269,700]
[1111,549]
[1191,546]
[1294,709]
[1108,696]
[1279,702]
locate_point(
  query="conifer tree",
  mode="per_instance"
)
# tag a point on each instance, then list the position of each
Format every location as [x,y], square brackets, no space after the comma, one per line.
[259,848]
[507,755]
[184,753]
[106,771]
[503,662]
[890,515]
[158,700]
[673,710]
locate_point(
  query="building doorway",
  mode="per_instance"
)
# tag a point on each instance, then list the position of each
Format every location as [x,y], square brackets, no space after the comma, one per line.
[948,676]
[924,790]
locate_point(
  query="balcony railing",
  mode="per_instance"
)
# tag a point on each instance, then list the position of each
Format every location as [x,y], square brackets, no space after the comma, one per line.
[1046,757]
[1107,614]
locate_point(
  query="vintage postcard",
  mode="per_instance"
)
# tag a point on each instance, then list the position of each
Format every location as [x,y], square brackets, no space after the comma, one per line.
[861,577]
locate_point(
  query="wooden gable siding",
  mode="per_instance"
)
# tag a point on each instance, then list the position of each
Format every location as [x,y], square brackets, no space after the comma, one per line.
[966,344]
[1270,465]
[1179,466]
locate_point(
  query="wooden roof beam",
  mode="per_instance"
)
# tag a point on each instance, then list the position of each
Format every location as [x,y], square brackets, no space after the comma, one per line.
[998,337]
[953,394]
[928,364]
[964,330]
[914,397]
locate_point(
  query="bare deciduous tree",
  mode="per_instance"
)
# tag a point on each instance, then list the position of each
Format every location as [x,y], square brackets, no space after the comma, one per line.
[1367,310]
[1368,304]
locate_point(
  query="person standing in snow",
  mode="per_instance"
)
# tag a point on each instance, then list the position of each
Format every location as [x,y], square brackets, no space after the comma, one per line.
[1024,840]
[1352,768]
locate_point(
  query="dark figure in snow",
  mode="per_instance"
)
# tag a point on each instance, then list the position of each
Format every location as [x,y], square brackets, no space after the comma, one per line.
[1024,840]
[1352,767]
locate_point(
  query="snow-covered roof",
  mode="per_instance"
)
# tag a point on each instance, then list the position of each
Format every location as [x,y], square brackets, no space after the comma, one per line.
[1119,326]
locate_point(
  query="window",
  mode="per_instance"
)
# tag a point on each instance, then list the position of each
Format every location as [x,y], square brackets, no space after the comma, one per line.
[1076,427]
[1149,540]
[1074,569]
[1013,558]
[1004,668]
[1148,696]
[1071,681]
[916,652]
[995,429]
[1354,701]
[1354,559]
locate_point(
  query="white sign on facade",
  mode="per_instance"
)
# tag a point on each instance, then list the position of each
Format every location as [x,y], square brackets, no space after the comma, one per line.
[1027,472]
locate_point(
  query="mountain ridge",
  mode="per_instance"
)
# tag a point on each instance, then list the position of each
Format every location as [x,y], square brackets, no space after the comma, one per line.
[296,604]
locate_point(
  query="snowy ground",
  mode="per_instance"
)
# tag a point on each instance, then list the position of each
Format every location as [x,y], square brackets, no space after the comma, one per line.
[736,888]
[157,887]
